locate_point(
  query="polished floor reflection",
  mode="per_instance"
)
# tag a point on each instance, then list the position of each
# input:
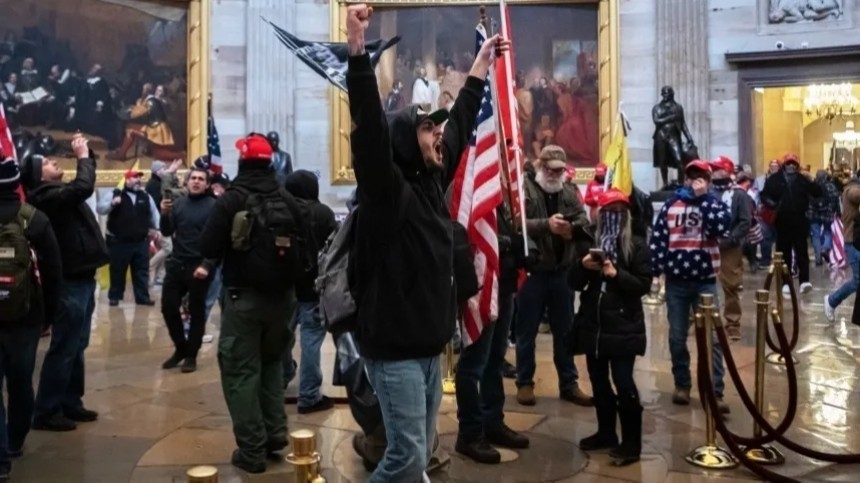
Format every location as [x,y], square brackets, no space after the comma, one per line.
[156,424]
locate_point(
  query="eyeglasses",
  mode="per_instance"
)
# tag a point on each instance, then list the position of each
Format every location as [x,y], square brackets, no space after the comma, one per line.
[556,171]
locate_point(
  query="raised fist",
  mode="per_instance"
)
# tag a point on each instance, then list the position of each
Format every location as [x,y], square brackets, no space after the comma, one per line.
[357,21]
[80,146]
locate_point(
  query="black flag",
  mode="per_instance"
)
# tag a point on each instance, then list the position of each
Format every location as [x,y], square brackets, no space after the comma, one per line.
[329,59]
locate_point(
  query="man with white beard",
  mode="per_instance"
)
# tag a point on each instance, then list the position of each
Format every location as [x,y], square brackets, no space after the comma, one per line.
[555,217]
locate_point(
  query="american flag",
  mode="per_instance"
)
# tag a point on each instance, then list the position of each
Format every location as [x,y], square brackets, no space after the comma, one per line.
[213,145]
[477,192]
[7,146]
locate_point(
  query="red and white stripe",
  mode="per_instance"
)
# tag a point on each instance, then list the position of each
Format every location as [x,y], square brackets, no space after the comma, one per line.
[837,255]
[7,146]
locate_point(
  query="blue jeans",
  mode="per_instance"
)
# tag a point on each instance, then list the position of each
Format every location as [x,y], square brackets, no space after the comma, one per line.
[61,384]
[822,239]
[850,286]
[214,292]
[122,256]
[768,233]
[480,366]
[545,290]
[308,321]
[17,361]
[409,394]
[681,298]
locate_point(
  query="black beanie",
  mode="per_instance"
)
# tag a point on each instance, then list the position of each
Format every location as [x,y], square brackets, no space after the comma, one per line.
[31,172]
[10,175]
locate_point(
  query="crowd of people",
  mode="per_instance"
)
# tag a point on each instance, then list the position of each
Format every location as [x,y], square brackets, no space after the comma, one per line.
[252,244]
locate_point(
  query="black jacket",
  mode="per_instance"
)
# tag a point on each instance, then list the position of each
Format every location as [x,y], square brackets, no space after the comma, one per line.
[611,323]
[185,223]
[856,233]
[401,266]
[82,245]
[153,187]
[741,208]
[305,186]
[255,177]
[40,234]
[790,199]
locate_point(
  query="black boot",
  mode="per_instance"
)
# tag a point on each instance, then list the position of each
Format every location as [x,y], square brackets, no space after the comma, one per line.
[174,360]
[605,437]
[479,450]
[630,414]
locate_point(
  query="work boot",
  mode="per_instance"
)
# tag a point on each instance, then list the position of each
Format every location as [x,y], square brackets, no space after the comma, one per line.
[630,415]
[605,437]
[509,371]
[240,462]
[502,435]
[576,396]
[681,397]
[54,422]
[81,415]
[370,447]
[478,449]
[526,396]
[733,333]
[189,364]
[174,360]
[324,404]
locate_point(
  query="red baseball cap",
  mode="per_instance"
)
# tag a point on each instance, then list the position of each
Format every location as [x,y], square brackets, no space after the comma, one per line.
[790,158]
[254,147]
[698,164]
[612,195]
[132,174]
[723,163]
[600,169]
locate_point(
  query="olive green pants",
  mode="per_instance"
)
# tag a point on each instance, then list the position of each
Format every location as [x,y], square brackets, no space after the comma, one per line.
[254,334]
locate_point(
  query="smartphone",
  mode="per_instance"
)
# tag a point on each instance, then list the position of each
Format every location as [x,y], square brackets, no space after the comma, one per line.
[570,218]
[597,255]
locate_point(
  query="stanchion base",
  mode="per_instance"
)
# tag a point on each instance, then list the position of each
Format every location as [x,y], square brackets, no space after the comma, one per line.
[764,455]
[448,386]
[712,457]
[774,358]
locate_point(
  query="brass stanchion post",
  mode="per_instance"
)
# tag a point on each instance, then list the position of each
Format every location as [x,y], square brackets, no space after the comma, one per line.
[710,455]
[764,454]
[781,276]
[448,385]
[305,457]
[202,474]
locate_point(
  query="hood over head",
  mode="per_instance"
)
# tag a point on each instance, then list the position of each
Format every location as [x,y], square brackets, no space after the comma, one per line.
[303,184]
[403,130]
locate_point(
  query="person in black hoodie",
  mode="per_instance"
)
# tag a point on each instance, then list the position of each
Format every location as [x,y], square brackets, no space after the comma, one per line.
[304,185]
[19,337]
[610,326]
[257,303]
[401,266]
[59,401]
[788,192]
[186,271]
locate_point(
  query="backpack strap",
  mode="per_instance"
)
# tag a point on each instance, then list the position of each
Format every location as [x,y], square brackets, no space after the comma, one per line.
[25,215]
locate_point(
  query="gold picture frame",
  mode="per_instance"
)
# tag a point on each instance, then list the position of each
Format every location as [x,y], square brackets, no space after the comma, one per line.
[608,73]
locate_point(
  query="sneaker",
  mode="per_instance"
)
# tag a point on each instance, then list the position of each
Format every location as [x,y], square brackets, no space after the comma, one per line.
[189,365]
[733,333]
[509,371]
[147,303]
[208,338]
[786,290]
[275,447]
[681,396]
[805,287]
[544,328]
[576,396]
[829,310]
[56,422]
[239,462]
[324,404]
[81,415]
[502,435]
[722,406]
[526,396]
[479,450]
[113,302]
[173,362]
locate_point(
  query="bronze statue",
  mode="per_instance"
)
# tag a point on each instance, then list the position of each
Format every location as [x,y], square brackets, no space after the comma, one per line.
[669,150]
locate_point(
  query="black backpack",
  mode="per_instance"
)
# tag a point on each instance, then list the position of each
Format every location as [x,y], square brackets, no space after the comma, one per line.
[273,231]
[18,280]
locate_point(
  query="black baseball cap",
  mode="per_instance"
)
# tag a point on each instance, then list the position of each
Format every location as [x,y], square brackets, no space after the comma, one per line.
[438,116]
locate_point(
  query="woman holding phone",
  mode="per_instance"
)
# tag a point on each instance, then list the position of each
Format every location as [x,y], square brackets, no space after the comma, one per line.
[610,326]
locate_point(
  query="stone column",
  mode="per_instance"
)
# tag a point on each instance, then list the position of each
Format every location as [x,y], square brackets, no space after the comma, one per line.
[270,68]
[682,62]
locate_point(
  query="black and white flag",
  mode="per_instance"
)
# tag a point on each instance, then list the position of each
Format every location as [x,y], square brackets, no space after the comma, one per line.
[329,59]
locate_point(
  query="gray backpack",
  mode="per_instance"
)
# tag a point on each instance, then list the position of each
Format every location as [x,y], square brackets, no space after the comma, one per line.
[337,305]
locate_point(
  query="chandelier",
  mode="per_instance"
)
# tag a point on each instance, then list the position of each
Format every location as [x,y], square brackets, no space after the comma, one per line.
[830,101]
[848,139]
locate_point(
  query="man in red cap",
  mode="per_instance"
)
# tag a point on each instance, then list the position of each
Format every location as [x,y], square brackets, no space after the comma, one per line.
[685,248]
[788,193]
[594,189]
[258,231]
[131,217]
[731,247]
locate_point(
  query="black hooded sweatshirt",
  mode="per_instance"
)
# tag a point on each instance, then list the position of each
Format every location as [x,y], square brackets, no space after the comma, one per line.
[254,176]
[401,268]
[304,185]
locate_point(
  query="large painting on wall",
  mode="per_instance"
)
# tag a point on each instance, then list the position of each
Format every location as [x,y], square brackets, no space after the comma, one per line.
[117,71]
[556,56]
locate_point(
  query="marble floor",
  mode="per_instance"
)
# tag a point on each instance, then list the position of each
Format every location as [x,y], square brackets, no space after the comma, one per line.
[155,424]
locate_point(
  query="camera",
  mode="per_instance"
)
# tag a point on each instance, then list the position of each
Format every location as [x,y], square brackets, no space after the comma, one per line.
[779,45]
